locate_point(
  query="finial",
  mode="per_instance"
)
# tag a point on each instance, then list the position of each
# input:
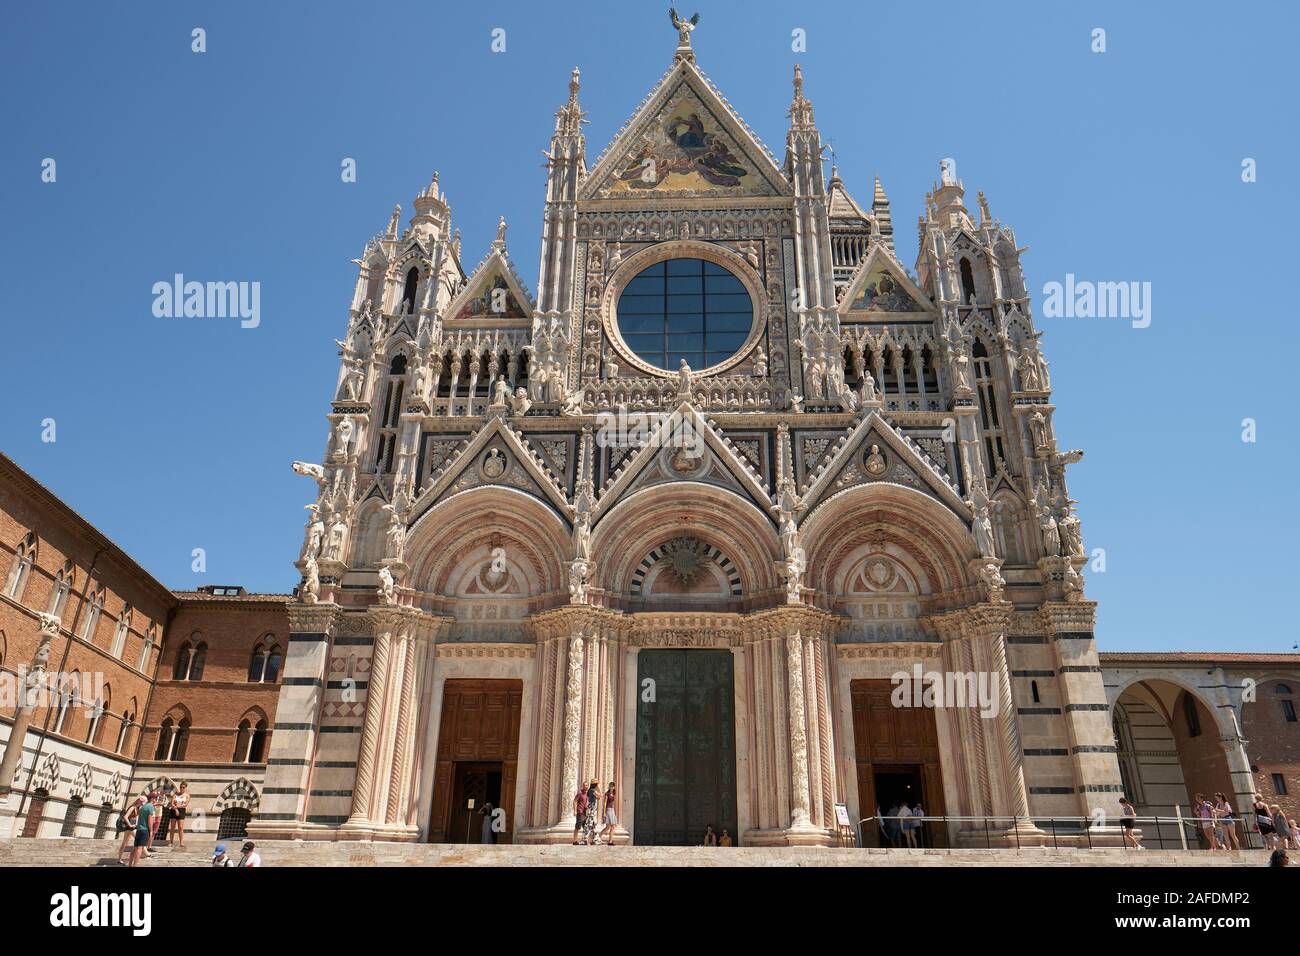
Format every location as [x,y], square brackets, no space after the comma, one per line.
[984,206]
[574,84]
[392,222]
[798,81]
[500,242]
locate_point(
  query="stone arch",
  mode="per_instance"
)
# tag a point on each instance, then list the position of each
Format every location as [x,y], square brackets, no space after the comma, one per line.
[913,529]
[239,794]
[47,778]
[721,519]
[450,542]
[703,553]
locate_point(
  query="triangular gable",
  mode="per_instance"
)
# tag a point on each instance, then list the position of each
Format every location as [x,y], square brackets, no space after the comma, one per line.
[497,455]
[880,286]
[725,466]
[684,140]
[480,301]
[840,205]
[901,456]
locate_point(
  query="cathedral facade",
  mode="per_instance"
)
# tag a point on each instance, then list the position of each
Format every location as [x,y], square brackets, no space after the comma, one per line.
[679,517]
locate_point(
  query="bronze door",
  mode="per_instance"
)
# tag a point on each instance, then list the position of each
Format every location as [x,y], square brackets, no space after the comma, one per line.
[685,747]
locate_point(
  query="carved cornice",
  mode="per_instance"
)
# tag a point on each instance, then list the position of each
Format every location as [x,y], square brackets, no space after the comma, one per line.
[974,621]
[898,650]
[313,618]
[1074,616]
[486,651]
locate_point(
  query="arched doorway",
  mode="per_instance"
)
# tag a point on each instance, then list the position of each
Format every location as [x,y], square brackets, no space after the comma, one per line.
[1170,748]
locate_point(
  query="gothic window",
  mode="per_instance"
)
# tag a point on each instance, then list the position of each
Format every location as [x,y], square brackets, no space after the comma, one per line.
[173,736]
[24,558]
[409,290]
[398,365]
[909,380]
[97,717]
[264,668]
[119,635]
[190,659]
[67,702]
[93,612]
[1279,784]
[989,420]
[121,731]
[889,372]
[684,309]
[967,280]
[928,372]
[1288,705]
[241,742]
[150,635]
[254,750]
[62,585]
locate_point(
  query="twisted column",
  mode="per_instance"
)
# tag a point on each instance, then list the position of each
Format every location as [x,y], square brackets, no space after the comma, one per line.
[363,789]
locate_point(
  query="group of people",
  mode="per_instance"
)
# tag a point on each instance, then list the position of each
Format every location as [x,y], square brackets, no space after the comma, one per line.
[1217,822]
[901,826]
[158,815]
[589,805]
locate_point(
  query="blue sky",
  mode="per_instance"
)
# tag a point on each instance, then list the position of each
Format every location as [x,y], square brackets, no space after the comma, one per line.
[174,434]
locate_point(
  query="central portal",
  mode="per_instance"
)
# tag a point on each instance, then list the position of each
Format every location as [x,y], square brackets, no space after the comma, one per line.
[685,747]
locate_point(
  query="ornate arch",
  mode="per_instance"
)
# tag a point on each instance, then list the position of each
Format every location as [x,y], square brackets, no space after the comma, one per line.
[730,525]
[239,793]
[451,541]
[914,529]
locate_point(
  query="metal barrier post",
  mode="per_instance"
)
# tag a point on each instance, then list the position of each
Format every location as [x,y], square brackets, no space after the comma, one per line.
[1182,834]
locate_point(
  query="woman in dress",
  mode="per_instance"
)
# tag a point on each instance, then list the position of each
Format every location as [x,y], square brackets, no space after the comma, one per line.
[611,815]
[1227,822]
[1205,813]
[1281,827]
[180,808]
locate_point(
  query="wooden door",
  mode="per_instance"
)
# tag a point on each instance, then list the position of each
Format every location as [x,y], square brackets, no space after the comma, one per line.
[480,724]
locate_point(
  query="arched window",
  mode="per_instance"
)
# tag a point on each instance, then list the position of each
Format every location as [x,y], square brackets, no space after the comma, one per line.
[97,717]
[127,720]
[241,741]
[62,585]
[20,570]
[233,824]
[398,365]
[93,612]
[190,659]
[173,736]
[67,700]
[409,290]
[967,280]
[119,635]
[257,745]
[990,421]
[264,667]
[1288,705]
[146,649]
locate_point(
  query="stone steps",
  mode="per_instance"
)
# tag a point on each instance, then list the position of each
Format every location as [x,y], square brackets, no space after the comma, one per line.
[57,851]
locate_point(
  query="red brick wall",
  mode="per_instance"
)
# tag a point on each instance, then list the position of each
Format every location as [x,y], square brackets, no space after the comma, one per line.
[1205,767]
[1273,743]
[61,537]
[231,628]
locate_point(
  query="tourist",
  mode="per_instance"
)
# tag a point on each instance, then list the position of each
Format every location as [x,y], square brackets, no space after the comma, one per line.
[579,814]
[220,857]
[710,838]
[1204,811]
[725,839]
[1279,858]
[163,832]
[1281,828]
[893,831]
[909,824]
[486,833]
[1295,835]
[1128,817]
[593,809]
[127,821]
[918,824]
[156,799]
[180,806]
[611,815]
[145,814]
[1264,822]
[1227,821]
[250,857]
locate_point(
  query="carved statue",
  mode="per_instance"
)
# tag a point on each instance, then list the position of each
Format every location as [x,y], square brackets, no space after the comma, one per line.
[760,362]
[1071,533]
[684,27]
[982,525]
[387,592]
[573,404]
[684,382]
[875,463]
[315,533]
[343,433]
[1038,425]
[1051,533]
[578,573]
[796,401]
[310,591]
[338,531]
[1029,377]
[501,393]
[309,470]
[521,402]
[582,537]
[1073,584]
[787,508]
[868,393]
[992,580]
[795,565]
[395,534]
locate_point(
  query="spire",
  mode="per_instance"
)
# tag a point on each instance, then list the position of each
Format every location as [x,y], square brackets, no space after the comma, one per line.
[801,111]
[432,212]
[947,198]
[569,118]
[393,220]
[985,216]
[880,209]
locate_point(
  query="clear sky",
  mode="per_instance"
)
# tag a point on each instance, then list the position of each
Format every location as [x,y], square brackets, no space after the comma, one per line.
[1125,165]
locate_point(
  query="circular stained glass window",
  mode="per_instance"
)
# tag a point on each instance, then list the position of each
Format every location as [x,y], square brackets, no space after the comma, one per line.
[688,309]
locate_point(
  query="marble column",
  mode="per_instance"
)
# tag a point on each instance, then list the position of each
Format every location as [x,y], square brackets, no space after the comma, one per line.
[369,756]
